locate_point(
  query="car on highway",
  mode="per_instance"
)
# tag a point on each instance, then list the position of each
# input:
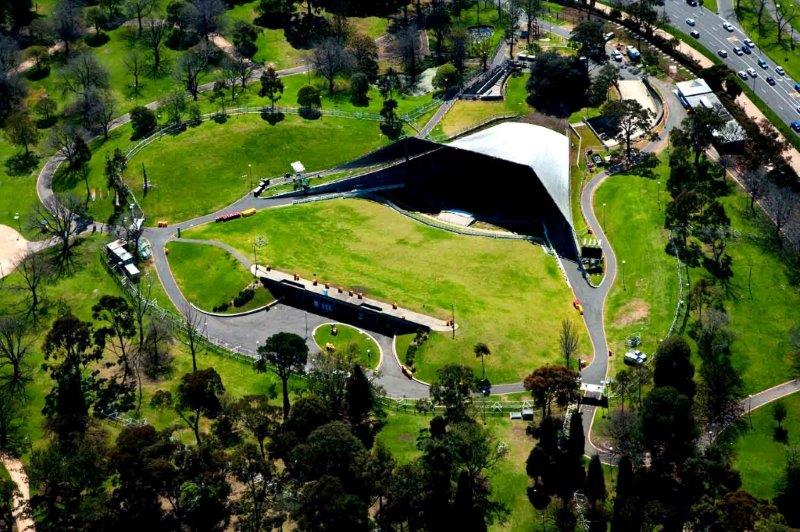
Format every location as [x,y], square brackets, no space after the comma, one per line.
[796,125]
[737,50]
[763,64]
[728,26]
[750,43]
[746,50]
[752,72]
[797,87]
[770,80]
[692,3]
[742,74]
[780,71]
[722,53]
[797,108]
[690,21]
[695,34]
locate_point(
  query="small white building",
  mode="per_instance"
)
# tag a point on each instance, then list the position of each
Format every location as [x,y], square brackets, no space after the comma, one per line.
[695,93]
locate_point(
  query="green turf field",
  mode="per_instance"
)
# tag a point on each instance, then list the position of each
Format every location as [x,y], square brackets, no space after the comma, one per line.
[209,277]
[508,294]
[366,350]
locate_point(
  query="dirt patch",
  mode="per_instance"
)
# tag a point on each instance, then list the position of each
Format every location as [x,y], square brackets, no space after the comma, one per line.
[635,311]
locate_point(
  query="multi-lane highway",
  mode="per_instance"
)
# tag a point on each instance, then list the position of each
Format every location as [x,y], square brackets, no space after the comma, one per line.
[782,98]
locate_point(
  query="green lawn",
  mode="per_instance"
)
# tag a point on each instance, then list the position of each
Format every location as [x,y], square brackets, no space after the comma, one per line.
[200,170]
[647,301]
[508,294]
[209,277]
[17,193]
[466,114]
[756,454]
[766,37]
[367,352]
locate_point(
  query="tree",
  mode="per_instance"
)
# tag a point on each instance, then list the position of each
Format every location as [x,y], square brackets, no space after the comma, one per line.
[190,328]
[446,77]
[481,350]
[785,14]
[552,383]
[779,413]
[34,269]
[438,21]
[453,389]
[531,8]
[482,49]
[721,387]
[15,344]
[673,365]
[330,58]
[271,85]
[364,52]
[627,512]
[66,22]
[57,217]
[668,426]
[208,16]
[391,125]
[568,341]
[285,354]
[140,9]
[557,84]
[698,130]
[117,329]
[324,505]
[83,74]
[512,12]
[788,492]
[408,42]
[308,97]
[12,89]
[134,63]
[359,88]
[154,36]
[259,506]
[622,386]
[175,106]
[8,493]
[45,108]
[628,118]
[199,395]
[588,37]
[143,121]
[607,77]
[244,39]
[21,131]
[190,69]
[238,69]
[595,486]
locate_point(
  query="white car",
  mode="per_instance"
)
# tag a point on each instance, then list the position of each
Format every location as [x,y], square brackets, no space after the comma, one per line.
[617,56]
[728,26]
[742,74]
[749,43]
[752,72]
[634,357]
[780,71]
[722,53]
[690,21]
[737,50]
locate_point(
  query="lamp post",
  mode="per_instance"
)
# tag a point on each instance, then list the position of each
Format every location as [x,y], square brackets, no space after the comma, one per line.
[623,275]
[658,192]
[749,409]
[250,174]
[604,217]
[19,226]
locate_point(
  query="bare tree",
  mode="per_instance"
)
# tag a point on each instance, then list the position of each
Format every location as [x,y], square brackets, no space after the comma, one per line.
[134,62]
[190,69]
[58,217]
[155,359]
[140,9]
[755,184]
[192,326]
[243,68]
[83,73]
[34,269]
[330,58]
[208,16]
[531,8]
[785,13]
[155,35]
[68,140]
[67,22]
[408,42]
[15,344]
[780,204]
[568,341]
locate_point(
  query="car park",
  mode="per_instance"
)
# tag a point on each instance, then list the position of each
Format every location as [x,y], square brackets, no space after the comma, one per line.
[750,43]
[780,71]
[722,53]
[742,74]
[746,50]
[728,26]
[690,21]
[694,33]
[763,64]
[770,80]
[752,72]
[737,50]
[634,357]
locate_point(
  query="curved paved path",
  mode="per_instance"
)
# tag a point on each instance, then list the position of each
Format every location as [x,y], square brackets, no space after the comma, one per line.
[17,473]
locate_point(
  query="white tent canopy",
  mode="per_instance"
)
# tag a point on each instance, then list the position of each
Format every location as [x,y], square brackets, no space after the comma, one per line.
[543,150]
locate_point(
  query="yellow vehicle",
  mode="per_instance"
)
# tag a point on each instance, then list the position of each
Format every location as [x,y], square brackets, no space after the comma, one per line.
[248,212]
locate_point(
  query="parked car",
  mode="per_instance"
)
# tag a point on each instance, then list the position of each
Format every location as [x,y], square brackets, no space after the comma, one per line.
[780,71]
[746,50]
[690,21]
[695,34]
[737,50]
[796,125]
[728,26]
[763,64]
[770,80]
[617,56]
[750,43]
[752,72]
[608,36]
[722,53]
[742,74]
[634,357]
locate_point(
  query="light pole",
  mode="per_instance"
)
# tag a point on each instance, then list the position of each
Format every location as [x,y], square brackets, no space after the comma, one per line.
[623,275]
[19,226]
[749,409]
[250,174]
[658,192]
[604,217]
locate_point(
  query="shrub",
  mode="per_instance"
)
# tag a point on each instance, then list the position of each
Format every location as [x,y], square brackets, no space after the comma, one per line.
[161,399]
[143,121]
[244,39]
[446,77]
[308,97]
[222,307]
[359,87]
[21,163]
[244,297]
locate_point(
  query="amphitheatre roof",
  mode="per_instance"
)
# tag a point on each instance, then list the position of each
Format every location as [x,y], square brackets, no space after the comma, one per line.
[543,150]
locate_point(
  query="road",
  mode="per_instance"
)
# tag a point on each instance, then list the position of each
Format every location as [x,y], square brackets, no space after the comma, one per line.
[782,98]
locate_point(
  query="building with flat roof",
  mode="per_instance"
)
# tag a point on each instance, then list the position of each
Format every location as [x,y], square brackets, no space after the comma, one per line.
[695,93]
